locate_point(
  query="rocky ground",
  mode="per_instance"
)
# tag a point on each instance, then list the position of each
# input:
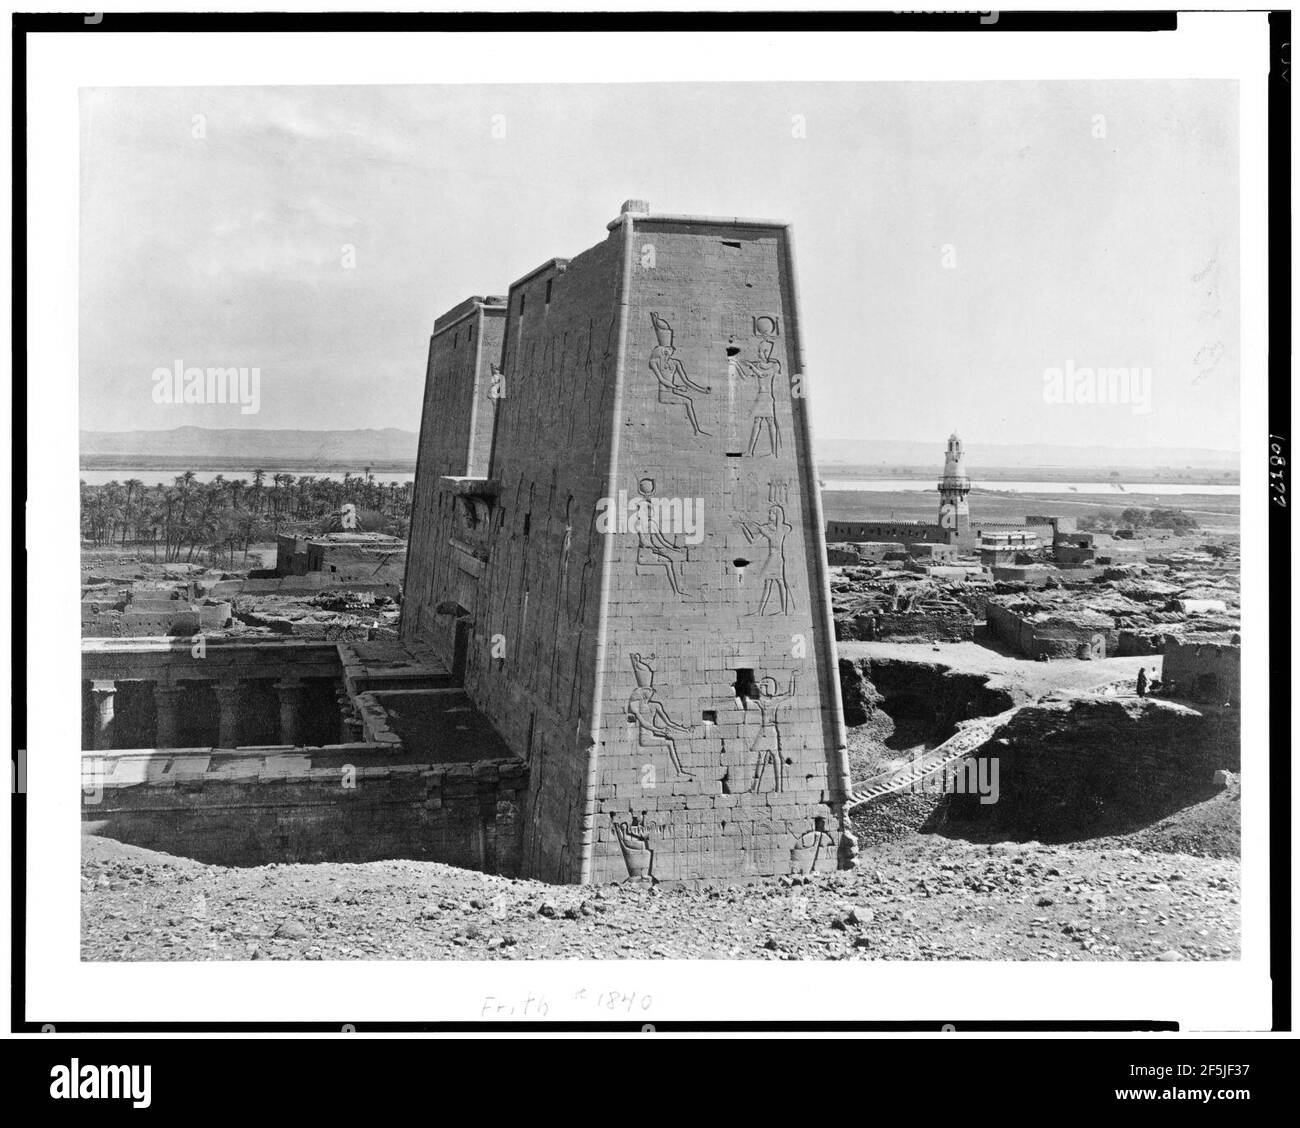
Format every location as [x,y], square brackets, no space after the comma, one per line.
[918,897]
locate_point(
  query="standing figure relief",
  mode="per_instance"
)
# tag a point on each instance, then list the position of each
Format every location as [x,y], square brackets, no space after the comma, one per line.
[764,372]
[772,569]
[766,745]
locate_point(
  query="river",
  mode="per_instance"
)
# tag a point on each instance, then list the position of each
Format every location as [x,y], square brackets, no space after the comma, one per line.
[857,485]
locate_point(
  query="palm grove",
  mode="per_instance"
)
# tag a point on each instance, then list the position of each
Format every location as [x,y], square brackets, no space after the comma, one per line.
[211,521]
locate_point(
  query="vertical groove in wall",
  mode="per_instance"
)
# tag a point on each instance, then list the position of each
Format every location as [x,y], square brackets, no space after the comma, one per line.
[416,493]
[606,564]
[812,491]
[479,323]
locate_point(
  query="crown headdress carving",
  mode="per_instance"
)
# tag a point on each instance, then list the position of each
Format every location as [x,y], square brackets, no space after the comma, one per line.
[643,671]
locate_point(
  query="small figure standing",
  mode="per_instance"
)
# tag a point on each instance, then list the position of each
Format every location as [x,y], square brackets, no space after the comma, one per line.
[1142,682]
[766,745]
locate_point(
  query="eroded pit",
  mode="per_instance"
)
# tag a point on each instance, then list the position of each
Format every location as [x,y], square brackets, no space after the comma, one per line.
[1070,766]
[893,708]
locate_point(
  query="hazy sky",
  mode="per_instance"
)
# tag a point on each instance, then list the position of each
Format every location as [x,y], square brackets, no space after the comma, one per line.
[954,240]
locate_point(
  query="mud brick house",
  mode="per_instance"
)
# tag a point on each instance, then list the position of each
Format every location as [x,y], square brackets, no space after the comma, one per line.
[347,557]
[1204,670]
[1049,632]
[617,549]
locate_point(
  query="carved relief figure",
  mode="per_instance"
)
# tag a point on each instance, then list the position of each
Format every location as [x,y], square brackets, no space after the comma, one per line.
[562,596]
[675,386]
[766,746]
[810,847]
[588,565]
[772,570]
[655,728]
[762,410]
[595,399]
[634,840]
[653,547]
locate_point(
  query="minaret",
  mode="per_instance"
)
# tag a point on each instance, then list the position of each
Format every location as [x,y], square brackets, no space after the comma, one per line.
[954,512]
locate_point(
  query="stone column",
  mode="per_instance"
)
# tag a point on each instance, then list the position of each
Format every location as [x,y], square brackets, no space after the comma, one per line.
[167,703]
[228,701]
[102,693]
[290,691]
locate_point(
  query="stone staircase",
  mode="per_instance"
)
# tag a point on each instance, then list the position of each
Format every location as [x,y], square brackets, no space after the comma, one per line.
[970,736]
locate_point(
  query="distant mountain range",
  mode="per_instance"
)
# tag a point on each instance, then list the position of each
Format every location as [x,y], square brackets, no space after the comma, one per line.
[392,448]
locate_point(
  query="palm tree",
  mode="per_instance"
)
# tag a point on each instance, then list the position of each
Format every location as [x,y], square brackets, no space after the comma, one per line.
[305,484]
[112,508]
[134,488]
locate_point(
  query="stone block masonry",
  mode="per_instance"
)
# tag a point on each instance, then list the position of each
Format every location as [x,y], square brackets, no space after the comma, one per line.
[382,758]
[647,622]
[346,803]
[462,390]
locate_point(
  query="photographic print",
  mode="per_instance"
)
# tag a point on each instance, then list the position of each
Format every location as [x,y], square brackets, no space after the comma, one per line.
[497,544]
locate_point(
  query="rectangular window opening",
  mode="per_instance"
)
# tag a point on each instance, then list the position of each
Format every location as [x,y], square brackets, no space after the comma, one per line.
[745,685]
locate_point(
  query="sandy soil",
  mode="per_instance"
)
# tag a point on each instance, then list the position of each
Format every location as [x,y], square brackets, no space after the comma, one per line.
[924,897]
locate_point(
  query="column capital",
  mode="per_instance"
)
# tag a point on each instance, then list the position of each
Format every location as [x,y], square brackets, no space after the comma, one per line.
[103,685]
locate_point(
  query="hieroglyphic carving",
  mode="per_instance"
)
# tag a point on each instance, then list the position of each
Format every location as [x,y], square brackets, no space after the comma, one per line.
[772,569]
[655,728]
[675,386]
[766,745]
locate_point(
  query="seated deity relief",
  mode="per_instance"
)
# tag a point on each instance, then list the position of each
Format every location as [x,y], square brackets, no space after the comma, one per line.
[675,386]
